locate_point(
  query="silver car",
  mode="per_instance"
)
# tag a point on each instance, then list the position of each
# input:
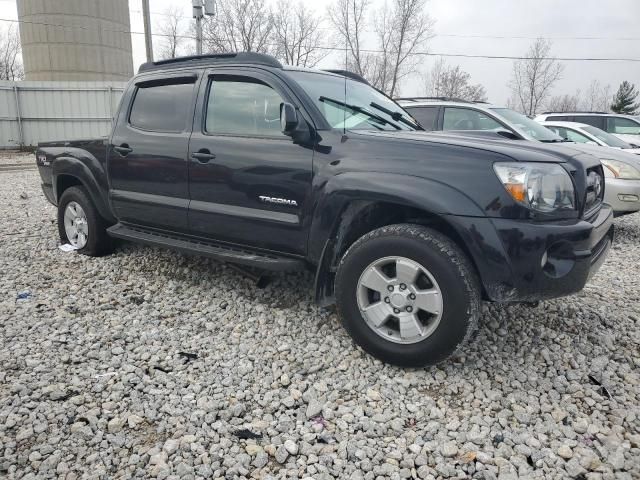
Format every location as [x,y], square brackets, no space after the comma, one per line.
[622,170]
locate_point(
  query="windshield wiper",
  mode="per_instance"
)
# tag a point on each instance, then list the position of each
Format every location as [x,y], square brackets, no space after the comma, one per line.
[356,108]
[556,140]
[397,116]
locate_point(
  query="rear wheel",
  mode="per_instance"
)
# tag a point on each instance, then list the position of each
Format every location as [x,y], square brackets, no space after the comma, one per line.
[80,224]
[407,295]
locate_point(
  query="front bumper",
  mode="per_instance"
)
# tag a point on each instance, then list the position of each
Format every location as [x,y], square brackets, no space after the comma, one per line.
[525,261]
[622,195]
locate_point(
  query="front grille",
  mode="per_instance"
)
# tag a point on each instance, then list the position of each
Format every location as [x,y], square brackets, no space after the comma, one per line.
[594,190]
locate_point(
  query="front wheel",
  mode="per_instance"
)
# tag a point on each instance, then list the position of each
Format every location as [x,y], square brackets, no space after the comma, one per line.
[407,295]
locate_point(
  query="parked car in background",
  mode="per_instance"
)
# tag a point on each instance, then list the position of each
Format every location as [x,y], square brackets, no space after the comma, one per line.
[237,157]
[583,133]
[622,174]
[624,127]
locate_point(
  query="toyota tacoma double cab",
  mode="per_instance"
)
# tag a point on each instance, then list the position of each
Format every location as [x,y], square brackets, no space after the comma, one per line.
[236,157]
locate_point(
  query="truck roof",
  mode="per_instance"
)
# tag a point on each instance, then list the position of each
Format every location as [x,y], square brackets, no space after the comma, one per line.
[211,59]
[249,58]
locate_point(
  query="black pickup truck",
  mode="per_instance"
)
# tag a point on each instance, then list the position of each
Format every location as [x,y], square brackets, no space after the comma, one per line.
[236,157]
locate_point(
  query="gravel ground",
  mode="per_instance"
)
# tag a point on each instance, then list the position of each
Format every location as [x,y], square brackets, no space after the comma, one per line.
[148,363]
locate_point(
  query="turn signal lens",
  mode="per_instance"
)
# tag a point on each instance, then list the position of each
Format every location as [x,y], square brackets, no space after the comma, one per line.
[517,191]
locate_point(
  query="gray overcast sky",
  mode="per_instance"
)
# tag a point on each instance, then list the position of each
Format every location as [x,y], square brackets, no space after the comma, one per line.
[556,19]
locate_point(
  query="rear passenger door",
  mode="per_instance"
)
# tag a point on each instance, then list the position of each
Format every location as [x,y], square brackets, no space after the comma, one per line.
[147,154]
[250,184]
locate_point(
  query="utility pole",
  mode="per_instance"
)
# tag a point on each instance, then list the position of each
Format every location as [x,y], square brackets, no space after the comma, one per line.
[198,14]
[200,9]
[147,30]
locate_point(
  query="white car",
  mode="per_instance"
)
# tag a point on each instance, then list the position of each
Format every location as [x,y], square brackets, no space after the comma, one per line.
[621,169]
[625,127]
[583,133]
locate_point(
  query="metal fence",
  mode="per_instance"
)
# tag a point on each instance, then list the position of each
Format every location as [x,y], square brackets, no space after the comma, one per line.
[32,112]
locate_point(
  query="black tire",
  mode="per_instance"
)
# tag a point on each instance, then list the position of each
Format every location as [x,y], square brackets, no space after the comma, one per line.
[449,266]
[98,242]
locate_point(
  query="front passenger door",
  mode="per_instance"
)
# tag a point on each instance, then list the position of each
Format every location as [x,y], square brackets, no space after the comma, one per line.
[249,183]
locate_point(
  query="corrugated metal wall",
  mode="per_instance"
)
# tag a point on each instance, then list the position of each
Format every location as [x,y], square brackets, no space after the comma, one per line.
[32,112]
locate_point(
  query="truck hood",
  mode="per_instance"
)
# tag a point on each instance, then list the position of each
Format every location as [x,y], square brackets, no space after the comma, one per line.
[518,150]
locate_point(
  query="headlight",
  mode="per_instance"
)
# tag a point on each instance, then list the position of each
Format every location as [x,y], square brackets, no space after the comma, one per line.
[544,187]
[621,170]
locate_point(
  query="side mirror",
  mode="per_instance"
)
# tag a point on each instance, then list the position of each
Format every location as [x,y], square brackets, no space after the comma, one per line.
[288,118]
[507,134]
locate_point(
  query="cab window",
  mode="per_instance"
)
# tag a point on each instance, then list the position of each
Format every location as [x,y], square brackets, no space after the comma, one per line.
[161,108]
[467,119]
[243,106]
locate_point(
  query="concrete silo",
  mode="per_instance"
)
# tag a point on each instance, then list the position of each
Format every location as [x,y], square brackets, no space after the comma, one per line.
[75,39]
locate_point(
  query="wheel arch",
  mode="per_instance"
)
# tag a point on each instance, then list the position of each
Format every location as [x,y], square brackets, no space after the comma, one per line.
[69,172]
[356,215]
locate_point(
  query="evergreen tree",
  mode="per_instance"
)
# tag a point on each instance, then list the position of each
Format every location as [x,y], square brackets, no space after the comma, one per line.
[624,100]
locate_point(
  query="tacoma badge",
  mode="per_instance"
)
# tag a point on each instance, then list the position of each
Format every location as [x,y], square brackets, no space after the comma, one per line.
[279,201]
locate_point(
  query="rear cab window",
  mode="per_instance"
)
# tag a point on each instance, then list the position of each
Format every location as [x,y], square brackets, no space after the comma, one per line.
[162,105]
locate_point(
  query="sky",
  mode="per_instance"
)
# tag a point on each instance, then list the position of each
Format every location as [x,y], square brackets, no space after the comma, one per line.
[470,27]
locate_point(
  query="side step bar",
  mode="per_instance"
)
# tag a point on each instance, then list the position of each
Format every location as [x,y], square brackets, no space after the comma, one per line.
[195,246]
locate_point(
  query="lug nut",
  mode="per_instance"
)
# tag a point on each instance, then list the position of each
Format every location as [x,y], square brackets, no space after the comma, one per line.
[409,309]
[390,288]
[402,286]
[386,300]
[395,310]
[412,296]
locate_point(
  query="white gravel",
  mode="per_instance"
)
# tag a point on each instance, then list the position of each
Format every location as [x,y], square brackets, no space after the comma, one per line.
[94,382]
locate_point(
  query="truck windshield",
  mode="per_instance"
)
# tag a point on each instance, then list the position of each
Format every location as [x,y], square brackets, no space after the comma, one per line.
[532,129]
[363,108]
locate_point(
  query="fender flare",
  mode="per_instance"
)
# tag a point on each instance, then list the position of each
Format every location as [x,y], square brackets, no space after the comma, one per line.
[90,174]
[345,195]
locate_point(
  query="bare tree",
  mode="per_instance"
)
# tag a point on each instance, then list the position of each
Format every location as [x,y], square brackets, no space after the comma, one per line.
[296,35]
[453,82]
[10,54]
[411,29]
[239,26]
[564,103]
[598,97]
[534,77]
[172,31]
[349,19]
[399,29]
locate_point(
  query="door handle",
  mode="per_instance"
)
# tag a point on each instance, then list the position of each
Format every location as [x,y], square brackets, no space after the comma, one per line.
[123,149]
[203,156]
